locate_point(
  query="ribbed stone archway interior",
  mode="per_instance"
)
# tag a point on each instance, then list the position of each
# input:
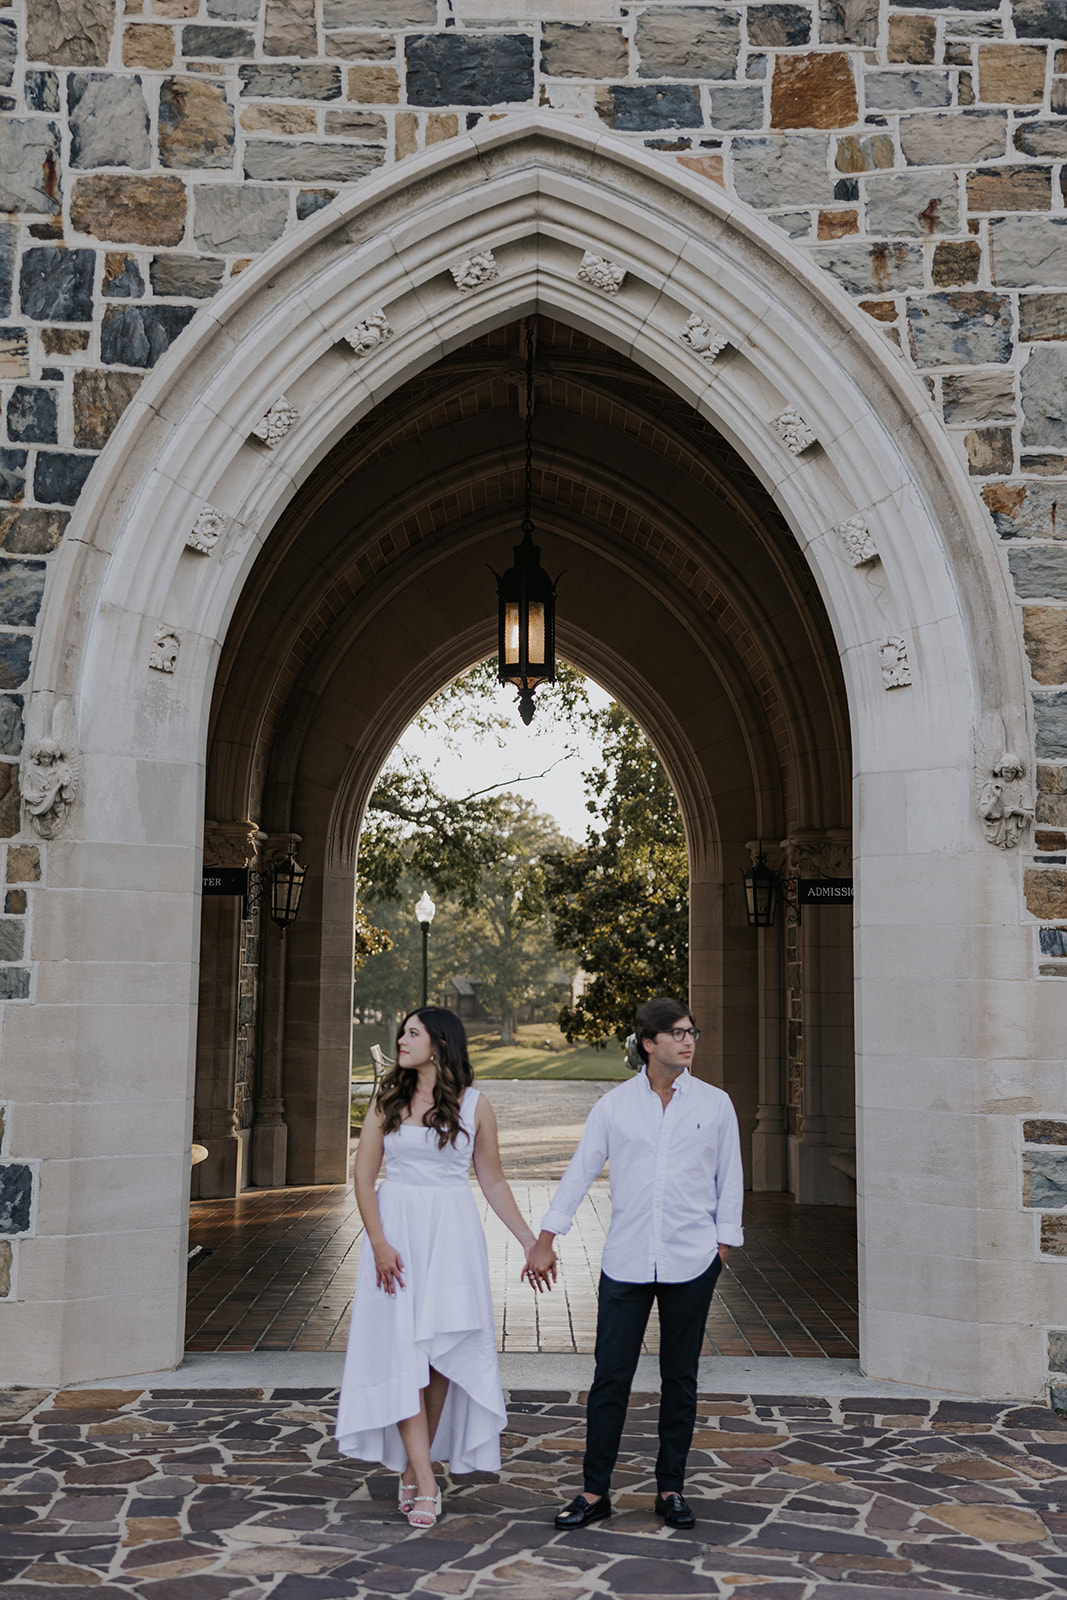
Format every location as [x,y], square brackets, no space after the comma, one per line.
[683,592]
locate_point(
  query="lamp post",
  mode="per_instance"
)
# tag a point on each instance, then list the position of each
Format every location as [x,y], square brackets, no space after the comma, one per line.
[424,910]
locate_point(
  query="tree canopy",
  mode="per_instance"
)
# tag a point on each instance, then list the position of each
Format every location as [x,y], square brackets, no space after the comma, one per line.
[621,901]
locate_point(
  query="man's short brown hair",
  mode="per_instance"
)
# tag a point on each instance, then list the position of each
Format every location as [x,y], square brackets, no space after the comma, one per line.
[658,1016]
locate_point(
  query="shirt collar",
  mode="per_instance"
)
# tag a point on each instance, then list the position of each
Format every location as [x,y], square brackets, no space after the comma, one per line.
[679,1086]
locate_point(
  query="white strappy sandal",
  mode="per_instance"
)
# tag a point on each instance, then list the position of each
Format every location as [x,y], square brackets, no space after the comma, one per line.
[427,1519]
[405,1496]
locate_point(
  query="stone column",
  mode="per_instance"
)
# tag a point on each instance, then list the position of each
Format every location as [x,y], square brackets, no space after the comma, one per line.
[825,1021]
[215,1120]
[769,1143]
[270,1134]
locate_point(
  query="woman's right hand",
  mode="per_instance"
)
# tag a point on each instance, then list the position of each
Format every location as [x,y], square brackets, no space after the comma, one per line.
[388,1266]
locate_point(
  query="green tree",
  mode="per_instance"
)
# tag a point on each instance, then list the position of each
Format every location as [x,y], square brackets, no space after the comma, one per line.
[621,901]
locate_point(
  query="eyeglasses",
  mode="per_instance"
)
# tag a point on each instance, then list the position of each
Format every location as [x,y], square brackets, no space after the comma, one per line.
[678,1034]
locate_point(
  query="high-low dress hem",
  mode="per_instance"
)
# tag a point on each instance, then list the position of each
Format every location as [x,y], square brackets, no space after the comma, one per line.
[442,1318]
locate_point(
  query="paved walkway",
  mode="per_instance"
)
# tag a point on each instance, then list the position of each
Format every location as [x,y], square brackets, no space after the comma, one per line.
[239,1495]
[277,1267]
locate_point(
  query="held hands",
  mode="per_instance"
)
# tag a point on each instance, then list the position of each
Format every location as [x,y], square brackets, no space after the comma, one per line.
[388,1266]
[540,1268]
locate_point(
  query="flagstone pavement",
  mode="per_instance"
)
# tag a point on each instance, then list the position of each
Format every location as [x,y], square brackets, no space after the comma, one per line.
[194,1494]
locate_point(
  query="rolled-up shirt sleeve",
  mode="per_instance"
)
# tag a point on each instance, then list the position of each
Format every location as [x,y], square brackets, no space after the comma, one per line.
[584,1166]
[729,1180]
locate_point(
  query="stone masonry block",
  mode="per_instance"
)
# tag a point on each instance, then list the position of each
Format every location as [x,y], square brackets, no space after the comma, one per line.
[1026,510]
[68,35]
[41,89]
[379,13]
[1011,74]
[12,940]
[14,983]
[1053,1239]
[148,45]
[100,398]
[21,593]
[1028,251]
[290,82]
[978,397]
[1044,397]
[31,415]
[1010,188]
[638,107]
[871,152]
[1050,713]
[32,530]
[813,91]
[989,451]
[137,335]
[1041,1130]
[260,118]
[240,218]
[29,166]
[16,901]
[956,263]
[971,327]
[736,106]
[1038,19]
[687,42]
[849,21]
[11,730]
[907,91]
[366,126]
[12,474]
[1043,316]
[373,86]
[56,284]
[122,276]
[912,40]
[1045,636]
[783,170]
[186,277]
[452,69]
[1039,572]
[957,138]
[9,46]
[16,1196]
[305,162]
[217,43]
[228,10]
[1045,1179]
[130,210]
[914,205]
[59,477]
[10,798]
[776,27]
[14,659]
[108,117]
[23,863]
[583,50]
[1045,140]
[289,28]
[195,124]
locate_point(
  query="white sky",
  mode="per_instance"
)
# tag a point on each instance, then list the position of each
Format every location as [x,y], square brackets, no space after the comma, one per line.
[526,751]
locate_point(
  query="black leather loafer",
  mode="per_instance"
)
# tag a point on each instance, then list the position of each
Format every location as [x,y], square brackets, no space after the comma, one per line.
[581,1512]
[674,1511]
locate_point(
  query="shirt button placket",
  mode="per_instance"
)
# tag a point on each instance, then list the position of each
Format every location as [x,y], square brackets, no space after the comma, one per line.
[662,1152]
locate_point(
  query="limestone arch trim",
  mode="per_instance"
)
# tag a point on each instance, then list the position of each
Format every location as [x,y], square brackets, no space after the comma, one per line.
[539,191]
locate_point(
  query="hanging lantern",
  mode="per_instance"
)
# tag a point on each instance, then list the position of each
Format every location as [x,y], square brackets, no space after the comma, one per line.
[526,595]
[286,887]
[761,893]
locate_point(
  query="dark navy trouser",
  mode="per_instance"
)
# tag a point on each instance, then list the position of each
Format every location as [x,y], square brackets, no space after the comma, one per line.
[622,1318]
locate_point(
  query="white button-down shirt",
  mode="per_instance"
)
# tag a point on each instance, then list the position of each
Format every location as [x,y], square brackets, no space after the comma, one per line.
[675,1175]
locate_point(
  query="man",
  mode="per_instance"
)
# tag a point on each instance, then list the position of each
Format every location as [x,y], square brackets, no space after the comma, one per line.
[676,1192]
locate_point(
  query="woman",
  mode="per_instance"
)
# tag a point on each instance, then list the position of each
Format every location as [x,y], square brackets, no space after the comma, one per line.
[421,1380]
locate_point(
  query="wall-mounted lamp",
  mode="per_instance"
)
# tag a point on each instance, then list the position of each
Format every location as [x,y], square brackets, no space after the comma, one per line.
[286,888]
[762,886]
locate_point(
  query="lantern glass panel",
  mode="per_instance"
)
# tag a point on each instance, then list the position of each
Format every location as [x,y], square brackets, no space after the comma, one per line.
[511,633]
[535,633]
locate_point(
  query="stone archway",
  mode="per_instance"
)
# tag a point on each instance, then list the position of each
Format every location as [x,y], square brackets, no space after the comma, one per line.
[534,216]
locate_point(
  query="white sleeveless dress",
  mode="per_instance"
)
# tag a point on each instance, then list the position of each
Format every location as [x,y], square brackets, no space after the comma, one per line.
[443,1316]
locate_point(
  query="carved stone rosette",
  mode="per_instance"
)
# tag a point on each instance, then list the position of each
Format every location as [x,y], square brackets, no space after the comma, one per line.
[793,431]
[855,535]
[370,334]
[601,274]
[475,272]
[703,340]
[272,428]
[165,647]
[893,660]
[207,530]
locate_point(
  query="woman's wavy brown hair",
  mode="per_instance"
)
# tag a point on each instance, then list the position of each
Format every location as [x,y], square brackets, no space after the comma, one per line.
[454,1074]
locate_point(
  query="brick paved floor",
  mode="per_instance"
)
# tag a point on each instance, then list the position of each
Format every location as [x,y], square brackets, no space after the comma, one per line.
[240,1495]
[279,1265]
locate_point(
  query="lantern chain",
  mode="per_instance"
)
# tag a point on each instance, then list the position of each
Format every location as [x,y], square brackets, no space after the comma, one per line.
[527,520]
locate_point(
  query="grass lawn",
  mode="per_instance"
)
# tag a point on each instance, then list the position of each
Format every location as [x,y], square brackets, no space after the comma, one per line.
[528,1058]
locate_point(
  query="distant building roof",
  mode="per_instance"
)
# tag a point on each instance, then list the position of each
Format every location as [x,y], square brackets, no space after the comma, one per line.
[463,985]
